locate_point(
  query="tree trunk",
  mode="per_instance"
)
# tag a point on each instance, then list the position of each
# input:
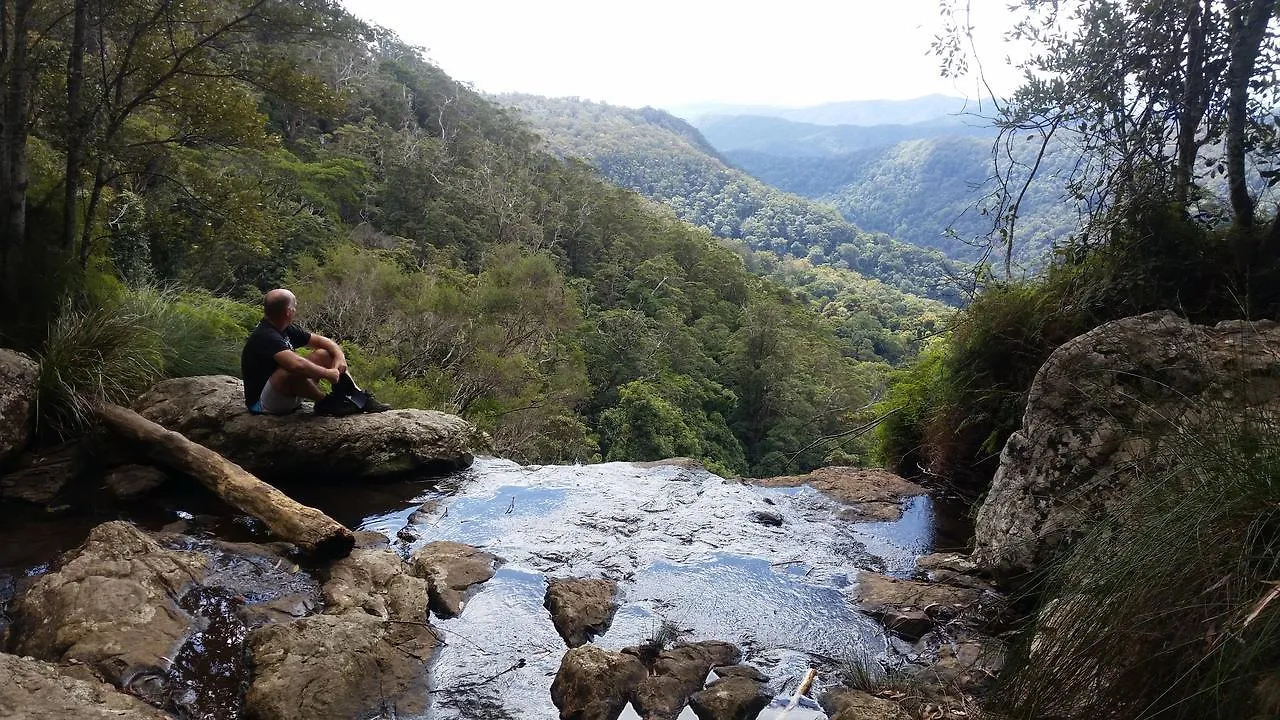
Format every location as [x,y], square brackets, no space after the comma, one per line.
[1248,28]
[308,528]
[76,129]
[1194,100]
[15,104]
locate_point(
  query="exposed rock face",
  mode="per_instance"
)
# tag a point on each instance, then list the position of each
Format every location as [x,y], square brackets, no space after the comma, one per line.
[581,608]
[451,568]
[18,375]
[677,674]
[367,653]
[35,689]
[595,684]
[210,410]
[846,704]
[112,606]
[1101,410]
[872,494]
[730,698]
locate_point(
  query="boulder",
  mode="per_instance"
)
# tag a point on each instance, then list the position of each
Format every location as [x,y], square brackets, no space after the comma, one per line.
[18,375]
[112,605]
[872,494]
[580,608]
[747,671]
[848,704]
[35,689]
[210,410]
[1103,409]
[594,683]
[451,568]
[677,674]
[730,698]
[339,666]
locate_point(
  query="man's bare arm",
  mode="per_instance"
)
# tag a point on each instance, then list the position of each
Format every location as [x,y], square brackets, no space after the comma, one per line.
[295,363]
[320,342]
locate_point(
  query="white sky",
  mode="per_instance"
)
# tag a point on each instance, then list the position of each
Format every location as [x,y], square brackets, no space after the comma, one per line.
[668,53]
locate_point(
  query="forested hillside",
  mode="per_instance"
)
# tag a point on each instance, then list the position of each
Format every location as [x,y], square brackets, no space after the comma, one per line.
[463,267]
[663,158]
[930,191]
[788,139]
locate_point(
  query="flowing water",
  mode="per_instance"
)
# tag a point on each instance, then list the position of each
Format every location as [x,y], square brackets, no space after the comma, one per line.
[685,546]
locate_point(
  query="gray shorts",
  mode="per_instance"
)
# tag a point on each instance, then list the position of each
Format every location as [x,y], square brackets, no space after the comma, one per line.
[274,402]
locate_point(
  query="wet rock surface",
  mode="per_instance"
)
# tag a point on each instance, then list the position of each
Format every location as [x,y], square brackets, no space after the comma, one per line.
[128,482]
[595,684]
[581,608]
[210,410]
[730,698]
[451,568]
[911,608]
[871,494]
[111,606]
[36,689]
[1103,408]
[18,375]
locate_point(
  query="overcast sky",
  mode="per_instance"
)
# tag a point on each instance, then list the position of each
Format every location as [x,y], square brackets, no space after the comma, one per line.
[669,53]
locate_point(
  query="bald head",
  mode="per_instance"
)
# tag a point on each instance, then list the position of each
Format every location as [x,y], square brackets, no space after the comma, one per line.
[277,304]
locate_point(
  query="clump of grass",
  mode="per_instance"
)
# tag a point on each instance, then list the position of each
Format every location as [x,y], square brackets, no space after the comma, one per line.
[114,348]
[93,355]
[1170,607]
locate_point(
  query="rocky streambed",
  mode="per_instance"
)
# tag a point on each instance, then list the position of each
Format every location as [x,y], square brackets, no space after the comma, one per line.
[656,575]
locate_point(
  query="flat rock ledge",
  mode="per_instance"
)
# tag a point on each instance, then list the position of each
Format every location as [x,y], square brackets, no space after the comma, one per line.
[581,608]
[210,410]
[36,689]
[872,494]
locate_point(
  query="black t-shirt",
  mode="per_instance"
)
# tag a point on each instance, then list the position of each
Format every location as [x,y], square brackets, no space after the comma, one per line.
[258,360]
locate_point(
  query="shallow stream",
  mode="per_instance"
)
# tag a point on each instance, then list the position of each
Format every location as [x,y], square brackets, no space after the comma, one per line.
[687,548]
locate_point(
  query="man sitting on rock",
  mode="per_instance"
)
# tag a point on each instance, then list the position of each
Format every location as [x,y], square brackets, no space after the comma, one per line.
[277,378]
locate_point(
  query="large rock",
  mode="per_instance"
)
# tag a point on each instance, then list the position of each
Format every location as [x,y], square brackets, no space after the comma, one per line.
[580,608]
[35,689]
[210,410]
[910,608]
[339,666]
[112,605]
[595,684]
[1101,411]
[40,477]
[366,655]
[18,374]
[871,494]
[848,704]
[451,568]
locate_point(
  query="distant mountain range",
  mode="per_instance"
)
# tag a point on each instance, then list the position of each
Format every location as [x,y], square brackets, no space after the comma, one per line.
[928,109]
[663,158]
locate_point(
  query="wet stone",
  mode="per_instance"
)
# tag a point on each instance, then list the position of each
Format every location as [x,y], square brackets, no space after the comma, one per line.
[594,683]
[747,671]
[581,608]
[765,517]
[128,482]
[731,698]
[451,568]
[677,674]
[35,689]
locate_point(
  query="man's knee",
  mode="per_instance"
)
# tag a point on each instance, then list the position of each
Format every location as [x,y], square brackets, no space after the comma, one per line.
[322,358]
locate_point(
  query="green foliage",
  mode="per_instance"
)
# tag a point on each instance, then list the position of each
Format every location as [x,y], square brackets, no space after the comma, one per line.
[1167,608]
[673,416]
[114,346]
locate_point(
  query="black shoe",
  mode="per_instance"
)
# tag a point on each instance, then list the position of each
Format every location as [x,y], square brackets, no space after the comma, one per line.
[336,404]
[373,405]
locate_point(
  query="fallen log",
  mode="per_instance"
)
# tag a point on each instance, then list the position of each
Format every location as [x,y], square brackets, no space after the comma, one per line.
[311,530]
